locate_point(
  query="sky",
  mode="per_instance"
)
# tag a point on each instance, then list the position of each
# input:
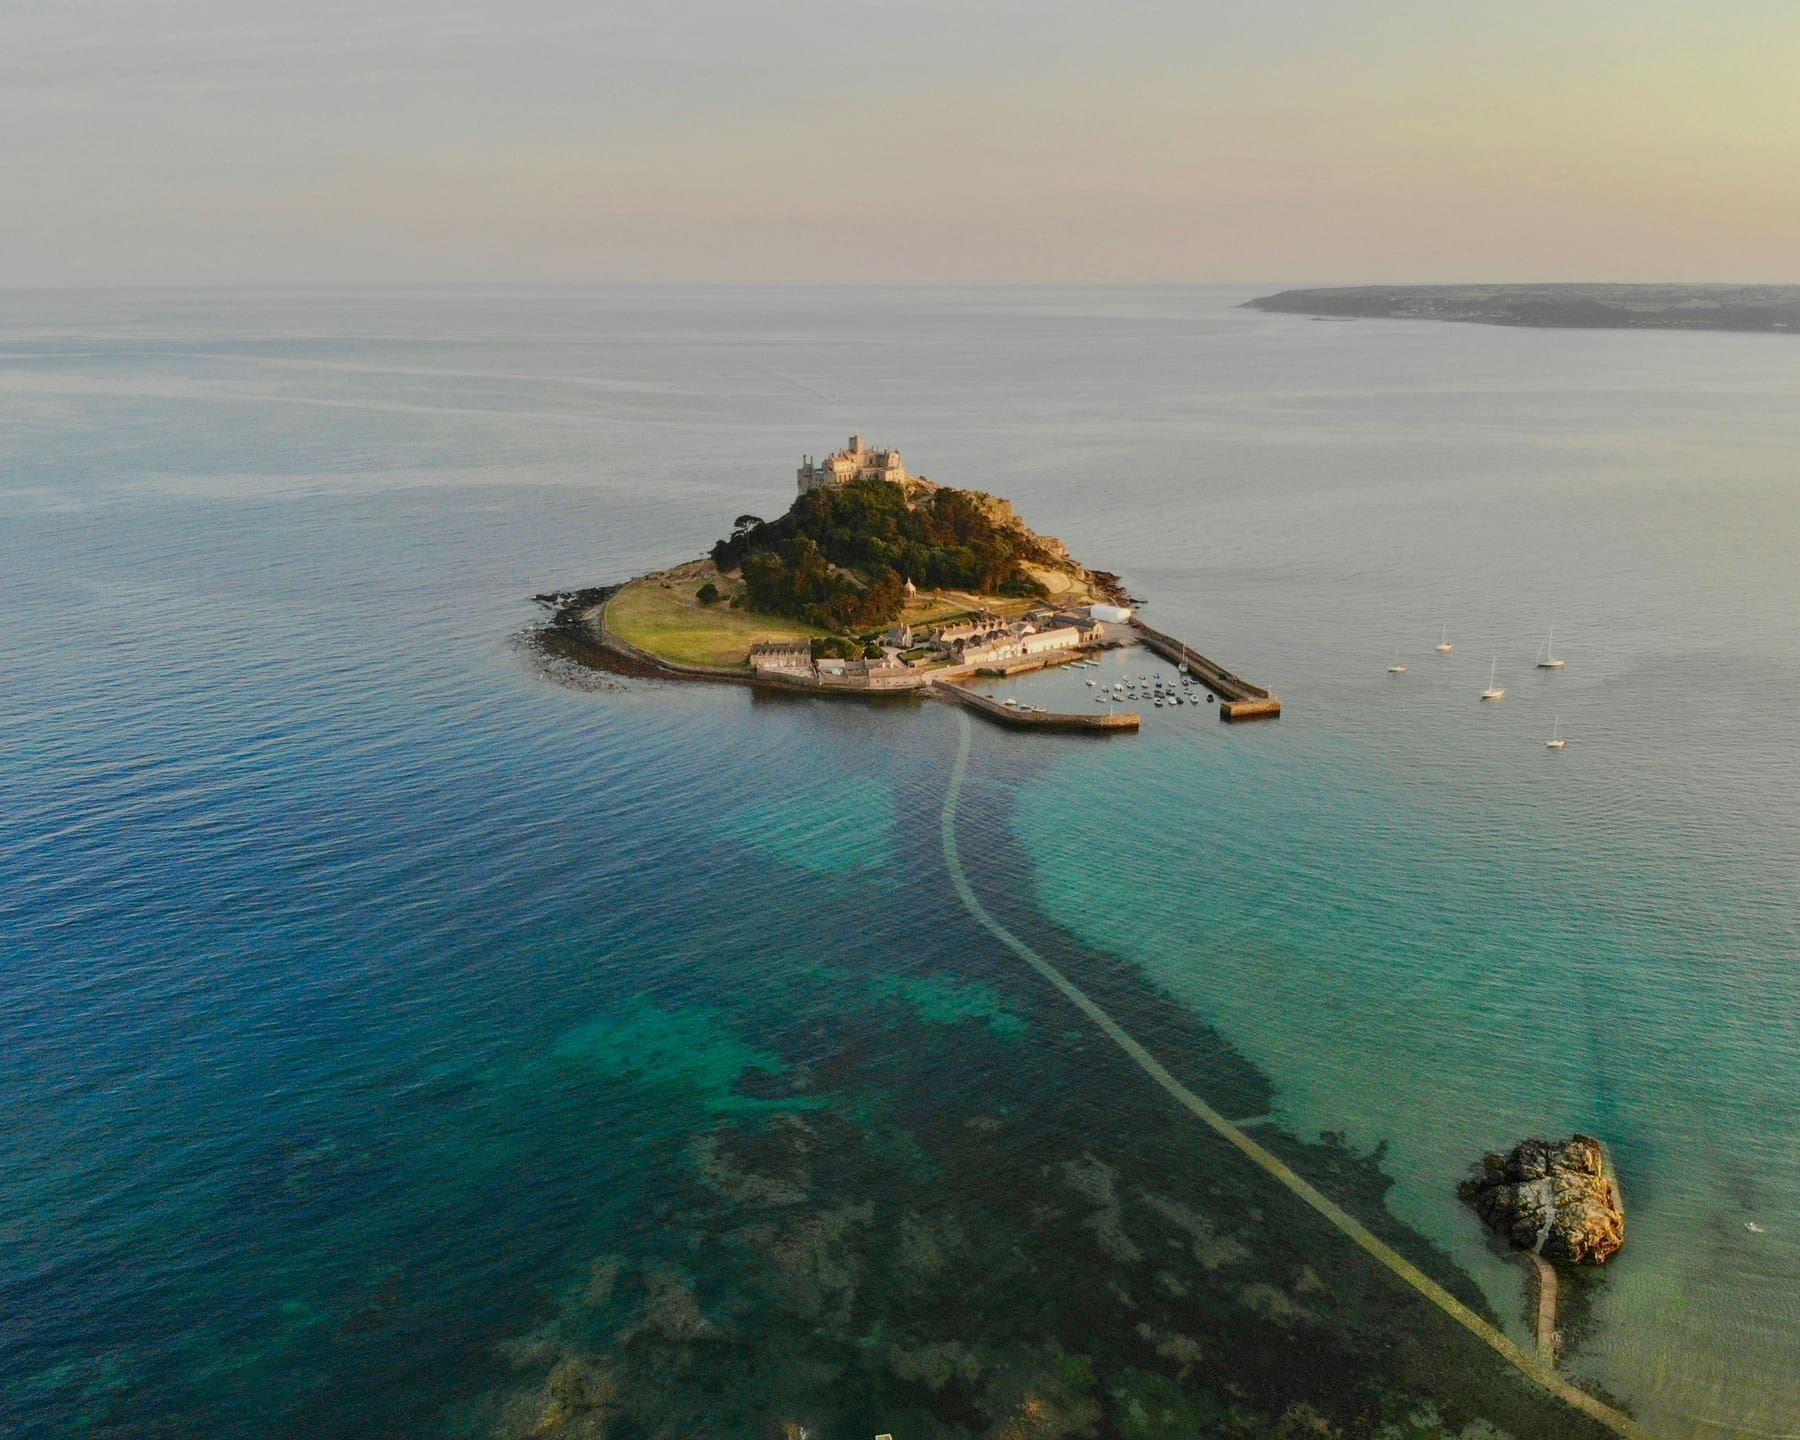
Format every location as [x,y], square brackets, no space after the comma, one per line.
[897,141]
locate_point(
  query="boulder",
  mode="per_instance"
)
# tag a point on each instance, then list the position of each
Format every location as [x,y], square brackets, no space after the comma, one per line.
[1552,1197]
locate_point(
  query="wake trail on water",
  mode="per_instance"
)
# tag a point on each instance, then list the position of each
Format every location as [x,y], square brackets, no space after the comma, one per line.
[1353,1229]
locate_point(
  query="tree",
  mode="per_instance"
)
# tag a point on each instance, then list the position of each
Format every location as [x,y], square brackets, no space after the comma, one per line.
[836,558]
[707,594]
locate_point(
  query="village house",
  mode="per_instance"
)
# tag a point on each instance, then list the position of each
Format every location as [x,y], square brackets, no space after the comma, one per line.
[1020,642]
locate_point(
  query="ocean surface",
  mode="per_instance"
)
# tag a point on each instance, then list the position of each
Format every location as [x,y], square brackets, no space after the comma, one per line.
[403,1036]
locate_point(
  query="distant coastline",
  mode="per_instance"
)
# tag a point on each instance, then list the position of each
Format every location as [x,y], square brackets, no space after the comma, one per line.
[1756,308]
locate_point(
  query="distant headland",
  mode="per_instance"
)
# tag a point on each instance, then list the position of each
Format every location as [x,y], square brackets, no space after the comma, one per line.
[876,582]
[1773,308]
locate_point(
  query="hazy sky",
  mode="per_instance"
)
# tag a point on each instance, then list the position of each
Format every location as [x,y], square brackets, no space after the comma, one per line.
[898,140]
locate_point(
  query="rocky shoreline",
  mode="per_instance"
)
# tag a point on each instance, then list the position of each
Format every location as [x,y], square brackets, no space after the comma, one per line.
[1554,1198]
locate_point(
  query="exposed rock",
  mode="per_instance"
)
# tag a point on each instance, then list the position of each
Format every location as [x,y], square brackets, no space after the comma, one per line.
[1553,1197]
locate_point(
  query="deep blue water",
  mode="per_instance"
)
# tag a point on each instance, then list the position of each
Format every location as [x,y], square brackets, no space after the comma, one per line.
[367,993]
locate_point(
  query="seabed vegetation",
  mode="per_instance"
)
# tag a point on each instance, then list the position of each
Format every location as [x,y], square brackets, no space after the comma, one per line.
[921,1200]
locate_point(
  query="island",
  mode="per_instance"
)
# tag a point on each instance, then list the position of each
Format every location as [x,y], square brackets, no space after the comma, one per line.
[1774,308]
[878,583]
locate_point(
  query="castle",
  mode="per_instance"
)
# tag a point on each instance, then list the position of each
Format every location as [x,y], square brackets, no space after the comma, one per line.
[856,461]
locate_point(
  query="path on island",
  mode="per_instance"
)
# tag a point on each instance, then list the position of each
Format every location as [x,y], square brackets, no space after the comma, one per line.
[1352,1228]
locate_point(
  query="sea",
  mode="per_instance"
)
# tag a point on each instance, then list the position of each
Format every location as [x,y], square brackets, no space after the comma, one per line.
[407,1033]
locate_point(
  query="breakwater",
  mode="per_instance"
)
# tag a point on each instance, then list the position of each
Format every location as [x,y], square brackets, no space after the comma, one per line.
[1112,722]
[1238,698]
[580,632]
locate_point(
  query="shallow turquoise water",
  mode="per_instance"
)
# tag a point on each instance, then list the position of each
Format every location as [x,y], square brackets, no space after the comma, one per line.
[364,989]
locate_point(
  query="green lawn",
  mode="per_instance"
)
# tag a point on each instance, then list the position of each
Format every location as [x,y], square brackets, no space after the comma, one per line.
[673,624]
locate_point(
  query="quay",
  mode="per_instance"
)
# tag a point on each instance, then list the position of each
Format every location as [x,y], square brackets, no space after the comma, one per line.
[1112,721]
[1238,698]
[581,630]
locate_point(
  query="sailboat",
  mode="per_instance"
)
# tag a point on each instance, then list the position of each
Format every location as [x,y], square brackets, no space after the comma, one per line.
[1557,740]
[1444,647]
[1493,692]
[1547,659]
[1396,668]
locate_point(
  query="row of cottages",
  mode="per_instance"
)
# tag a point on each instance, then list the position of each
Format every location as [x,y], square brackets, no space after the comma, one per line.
[883,674]
[793,660]
[1021,643]
[788,658]
[948,637]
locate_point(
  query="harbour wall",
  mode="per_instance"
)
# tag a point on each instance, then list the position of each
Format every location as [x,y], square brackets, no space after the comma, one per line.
[1238,698]
[586,630]
[1112,722]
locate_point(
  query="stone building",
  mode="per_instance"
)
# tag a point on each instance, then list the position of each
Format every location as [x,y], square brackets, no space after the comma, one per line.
[782,658]
[1019,643]
[856,461]
[879,674]
[947,637]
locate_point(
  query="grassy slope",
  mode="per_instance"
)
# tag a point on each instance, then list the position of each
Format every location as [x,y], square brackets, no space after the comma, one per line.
[671,623]
[668,620]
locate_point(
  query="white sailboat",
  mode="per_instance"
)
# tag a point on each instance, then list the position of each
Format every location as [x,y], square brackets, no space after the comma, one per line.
[1396,668]
[1557,740]
[1493,692]
[1547,656]
[1444,647]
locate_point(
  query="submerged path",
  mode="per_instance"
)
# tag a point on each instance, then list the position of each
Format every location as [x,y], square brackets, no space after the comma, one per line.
[1546,1309]
[1352,1228]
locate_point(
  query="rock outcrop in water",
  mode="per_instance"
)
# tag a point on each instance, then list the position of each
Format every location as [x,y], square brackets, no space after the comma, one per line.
[1552,1197]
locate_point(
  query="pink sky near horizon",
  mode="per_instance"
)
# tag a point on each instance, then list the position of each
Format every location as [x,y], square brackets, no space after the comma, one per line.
[184,141]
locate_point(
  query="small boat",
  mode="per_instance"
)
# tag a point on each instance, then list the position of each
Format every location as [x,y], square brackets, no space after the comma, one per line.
[1010,704]
[1493,692]
[1547,656]
[1444,647]
[1557,740]
[1396,668]
[1090,682]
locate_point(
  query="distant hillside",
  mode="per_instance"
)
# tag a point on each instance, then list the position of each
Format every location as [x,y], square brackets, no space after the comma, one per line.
[1587,307]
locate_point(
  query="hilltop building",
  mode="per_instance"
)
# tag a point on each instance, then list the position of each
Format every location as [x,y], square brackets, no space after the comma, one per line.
[856,461]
